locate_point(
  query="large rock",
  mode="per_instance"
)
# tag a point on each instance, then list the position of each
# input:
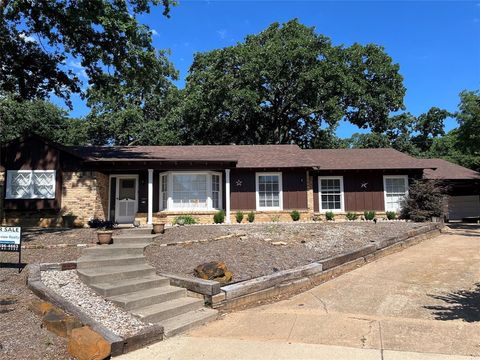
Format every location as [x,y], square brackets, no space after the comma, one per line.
[214,270]
[61,324]
[40,307]
[86,344]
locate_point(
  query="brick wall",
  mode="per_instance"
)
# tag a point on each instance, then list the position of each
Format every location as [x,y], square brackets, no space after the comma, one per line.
[85,194]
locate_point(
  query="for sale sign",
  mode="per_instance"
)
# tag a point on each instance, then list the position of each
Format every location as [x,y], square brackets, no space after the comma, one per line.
[10,238]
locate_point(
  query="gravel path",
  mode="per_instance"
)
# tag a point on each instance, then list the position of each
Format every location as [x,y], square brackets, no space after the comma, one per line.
[68,285]
[255,254]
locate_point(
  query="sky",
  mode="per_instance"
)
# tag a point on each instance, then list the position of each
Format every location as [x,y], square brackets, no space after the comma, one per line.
[436,43]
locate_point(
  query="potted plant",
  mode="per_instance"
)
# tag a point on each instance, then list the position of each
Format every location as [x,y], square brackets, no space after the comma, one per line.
[158,228]
[69,219]
[104,235]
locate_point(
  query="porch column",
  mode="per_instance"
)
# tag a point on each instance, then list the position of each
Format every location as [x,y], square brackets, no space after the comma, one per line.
[227,195]
[150,197]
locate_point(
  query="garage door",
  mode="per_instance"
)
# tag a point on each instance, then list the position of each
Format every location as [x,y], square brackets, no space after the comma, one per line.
[463,206]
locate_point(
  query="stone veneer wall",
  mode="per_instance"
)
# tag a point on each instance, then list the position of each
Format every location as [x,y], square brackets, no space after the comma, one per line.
[310,193]
[85,194]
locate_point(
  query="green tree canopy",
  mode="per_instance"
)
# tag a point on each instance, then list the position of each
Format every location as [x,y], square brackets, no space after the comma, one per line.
[40,117]
[37,38]
[287,84]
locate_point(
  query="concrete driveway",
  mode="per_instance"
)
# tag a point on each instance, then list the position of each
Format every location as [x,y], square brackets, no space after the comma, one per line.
[421,303]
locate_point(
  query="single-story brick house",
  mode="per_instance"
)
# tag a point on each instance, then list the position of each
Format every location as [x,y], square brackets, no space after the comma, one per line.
[42,180]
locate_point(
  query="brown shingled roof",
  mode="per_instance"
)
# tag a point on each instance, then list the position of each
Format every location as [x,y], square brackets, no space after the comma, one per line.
[246,156]
[363,159]
[448,170]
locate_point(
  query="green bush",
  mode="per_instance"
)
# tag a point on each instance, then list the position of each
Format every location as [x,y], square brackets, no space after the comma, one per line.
[391,215]
[424,201]
[295,215]
[251,217]
[369,215]
[275,218]
[185,220]
[351,216]
[329,215]
[239,216]
[219,217]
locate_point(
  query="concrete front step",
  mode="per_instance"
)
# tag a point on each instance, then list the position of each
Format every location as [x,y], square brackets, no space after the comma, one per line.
[137,231]
[168,309]
[129,236]
[181,323]
[114,250]
[118,287]
[110,273]
[87,262]
[139,299]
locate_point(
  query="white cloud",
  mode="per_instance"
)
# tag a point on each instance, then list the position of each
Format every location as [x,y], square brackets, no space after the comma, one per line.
[80,70]
[27,38]
[222,33]
[154,32]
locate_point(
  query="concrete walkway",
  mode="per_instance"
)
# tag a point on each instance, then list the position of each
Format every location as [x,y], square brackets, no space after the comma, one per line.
[416,304]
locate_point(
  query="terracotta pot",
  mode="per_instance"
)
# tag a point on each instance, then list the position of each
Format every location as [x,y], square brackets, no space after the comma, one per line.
[158,228]
[104,237]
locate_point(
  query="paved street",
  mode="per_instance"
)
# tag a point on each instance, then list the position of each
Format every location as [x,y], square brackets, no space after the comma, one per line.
[416,304]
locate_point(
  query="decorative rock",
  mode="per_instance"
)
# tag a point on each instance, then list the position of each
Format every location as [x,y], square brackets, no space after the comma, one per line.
[40,307]
[60,323]
[277,243]
[226,278]
[86,344]
[215,270]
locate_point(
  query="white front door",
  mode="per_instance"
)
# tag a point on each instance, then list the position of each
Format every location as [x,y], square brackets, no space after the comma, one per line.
[126,202]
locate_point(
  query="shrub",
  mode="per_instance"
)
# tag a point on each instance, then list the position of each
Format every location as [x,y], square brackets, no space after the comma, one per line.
[329,215]
[239,216]
[275,218]
[369,215]
[351,216]
[185,220]
[295,215]
[391,215]
[101,224]
[424,200]
[251,216]
[219,217]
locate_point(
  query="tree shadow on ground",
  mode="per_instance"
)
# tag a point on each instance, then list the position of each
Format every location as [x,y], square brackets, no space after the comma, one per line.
[461,304]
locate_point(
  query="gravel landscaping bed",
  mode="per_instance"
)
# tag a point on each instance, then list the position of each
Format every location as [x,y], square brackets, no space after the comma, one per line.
[256,254]
[68,285]
[22,337]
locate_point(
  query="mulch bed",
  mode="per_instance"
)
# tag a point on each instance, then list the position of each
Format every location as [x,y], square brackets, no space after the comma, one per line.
[255,255]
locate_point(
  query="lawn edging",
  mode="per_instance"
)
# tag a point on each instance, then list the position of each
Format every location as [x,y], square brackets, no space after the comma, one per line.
[119,345]
[305,277]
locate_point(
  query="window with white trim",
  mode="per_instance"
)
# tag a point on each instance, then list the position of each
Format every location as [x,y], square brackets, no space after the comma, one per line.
[190,191]
[331,193]
[163,192]
[30,184]
[395,189]
[215,191]
[269,191]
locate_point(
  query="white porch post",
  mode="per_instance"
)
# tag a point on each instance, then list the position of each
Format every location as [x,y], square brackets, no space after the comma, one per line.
[150,197]
[227,195]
